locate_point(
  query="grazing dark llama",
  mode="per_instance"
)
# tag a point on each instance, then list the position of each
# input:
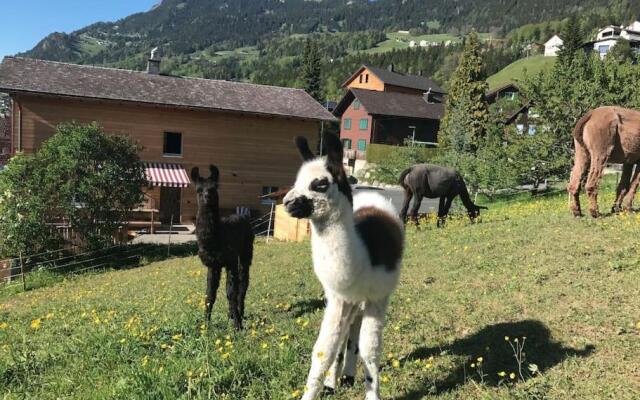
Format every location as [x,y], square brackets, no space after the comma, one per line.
[222,243]
[432,181]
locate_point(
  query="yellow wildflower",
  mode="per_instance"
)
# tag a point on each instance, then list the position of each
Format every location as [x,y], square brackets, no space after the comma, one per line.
[502,374]
[177,336]
[480,359]
[35,324]
[512,375]
[4,325]
[396,364]
[384,379]
[295,394]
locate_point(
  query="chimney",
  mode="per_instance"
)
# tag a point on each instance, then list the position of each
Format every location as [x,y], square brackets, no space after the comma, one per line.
[153,65]
[391,68]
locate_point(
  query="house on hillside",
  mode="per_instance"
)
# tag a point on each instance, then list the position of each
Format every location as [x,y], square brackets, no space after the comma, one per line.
[608,37]
[552,46]
[513,106]
[245,129]
[384,106]
[5,139]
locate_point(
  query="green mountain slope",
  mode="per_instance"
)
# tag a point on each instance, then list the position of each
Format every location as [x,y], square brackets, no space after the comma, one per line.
[515,72]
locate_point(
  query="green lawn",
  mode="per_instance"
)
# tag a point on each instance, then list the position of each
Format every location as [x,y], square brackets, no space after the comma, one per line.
[570,286]
[516,71]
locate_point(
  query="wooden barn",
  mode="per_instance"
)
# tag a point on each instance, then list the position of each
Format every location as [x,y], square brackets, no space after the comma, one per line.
[245,129]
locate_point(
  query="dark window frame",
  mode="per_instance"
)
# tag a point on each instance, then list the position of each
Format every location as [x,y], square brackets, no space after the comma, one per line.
[167,147]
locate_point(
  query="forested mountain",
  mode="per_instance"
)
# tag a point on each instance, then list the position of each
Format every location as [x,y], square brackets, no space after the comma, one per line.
[261,40]
[186,26]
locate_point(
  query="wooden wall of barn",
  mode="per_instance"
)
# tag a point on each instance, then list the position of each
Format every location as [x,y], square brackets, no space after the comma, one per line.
[251,151]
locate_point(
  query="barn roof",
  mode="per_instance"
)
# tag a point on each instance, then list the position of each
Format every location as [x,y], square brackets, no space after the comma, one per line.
[399,79]
[25,75]
[392,104]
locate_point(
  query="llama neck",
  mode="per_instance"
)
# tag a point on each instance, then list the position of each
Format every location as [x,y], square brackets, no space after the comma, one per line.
[208,219]
[336,243]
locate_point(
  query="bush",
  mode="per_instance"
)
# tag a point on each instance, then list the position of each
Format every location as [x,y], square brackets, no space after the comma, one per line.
[387,162]
[80,176]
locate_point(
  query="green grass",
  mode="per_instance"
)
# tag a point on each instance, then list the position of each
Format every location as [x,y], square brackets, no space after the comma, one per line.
[528,269]
[397,40]
[516,71]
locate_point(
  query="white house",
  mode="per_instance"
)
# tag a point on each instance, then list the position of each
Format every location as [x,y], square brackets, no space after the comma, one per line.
[552,46]
[424,43]
[609,36]
[412,43]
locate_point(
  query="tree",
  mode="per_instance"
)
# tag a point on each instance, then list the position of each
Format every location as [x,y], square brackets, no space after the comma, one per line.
[80,176]
[311,70]
[622,52]
[466,107]
[572,41]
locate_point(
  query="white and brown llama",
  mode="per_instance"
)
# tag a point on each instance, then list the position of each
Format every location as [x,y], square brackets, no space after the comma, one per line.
[222,243]
[357,245]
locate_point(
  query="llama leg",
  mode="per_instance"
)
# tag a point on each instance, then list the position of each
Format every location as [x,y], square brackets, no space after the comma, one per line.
[417,200]
[405,205]
[213,281]
[631,193]
[623,186]
[233,287]
[593,181]
[336,370]
[351,357]
[579,168]
[371,346]
[244,285]
[335,324]
[441,213]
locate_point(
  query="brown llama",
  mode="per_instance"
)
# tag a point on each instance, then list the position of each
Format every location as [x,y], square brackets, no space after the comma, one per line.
[605,135]
[222,243]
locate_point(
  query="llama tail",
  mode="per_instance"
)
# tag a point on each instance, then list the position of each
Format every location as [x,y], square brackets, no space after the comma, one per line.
[403,175]
[577,131]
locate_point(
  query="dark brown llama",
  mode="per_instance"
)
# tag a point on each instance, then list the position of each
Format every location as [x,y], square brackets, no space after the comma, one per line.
[432,181]
[222,243]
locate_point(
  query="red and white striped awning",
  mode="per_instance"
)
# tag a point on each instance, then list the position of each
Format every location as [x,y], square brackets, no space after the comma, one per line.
[166,175]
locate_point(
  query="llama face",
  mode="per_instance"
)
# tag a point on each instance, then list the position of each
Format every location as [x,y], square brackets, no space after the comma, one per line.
[206,188]
[321,185]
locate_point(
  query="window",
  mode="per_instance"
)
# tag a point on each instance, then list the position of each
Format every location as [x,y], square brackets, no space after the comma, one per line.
[366,78]
[346,143]
[360,78]
[362,144]
[603,50]
[364,124]
[266,190]
[172,144]
[356,105]
[347,123]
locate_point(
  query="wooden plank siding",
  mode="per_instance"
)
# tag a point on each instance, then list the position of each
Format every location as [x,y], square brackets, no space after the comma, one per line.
[251,151]
[373,83]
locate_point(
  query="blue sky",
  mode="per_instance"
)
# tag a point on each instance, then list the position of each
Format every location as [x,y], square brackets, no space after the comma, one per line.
[26,22]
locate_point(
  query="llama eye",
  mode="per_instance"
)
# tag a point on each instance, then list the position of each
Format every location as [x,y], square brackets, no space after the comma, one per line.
[319,185]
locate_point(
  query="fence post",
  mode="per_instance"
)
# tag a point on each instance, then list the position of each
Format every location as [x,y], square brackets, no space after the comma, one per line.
[270,219]
[24,282]
[169,244]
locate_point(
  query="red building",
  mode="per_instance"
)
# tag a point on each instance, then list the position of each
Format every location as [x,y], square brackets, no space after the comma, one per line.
[387,107]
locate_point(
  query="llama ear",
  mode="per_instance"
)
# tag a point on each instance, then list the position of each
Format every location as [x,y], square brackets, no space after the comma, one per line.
[215,173]
[333,146]
[195,174]
[303,148]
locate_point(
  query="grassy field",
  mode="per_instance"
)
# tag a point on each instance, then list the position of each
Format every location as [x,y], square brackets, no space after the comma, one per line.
[468,292]
[517,71]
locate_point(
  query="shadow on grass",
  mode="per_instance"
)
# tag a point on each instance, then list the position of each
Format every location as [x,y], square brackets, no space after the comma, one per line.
[306,306]
[490,344]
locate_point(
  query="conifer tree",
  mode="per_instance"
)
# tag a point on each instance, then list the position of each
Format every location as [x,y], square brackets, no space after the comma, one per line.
[466,97]
[572,42]
[311,70]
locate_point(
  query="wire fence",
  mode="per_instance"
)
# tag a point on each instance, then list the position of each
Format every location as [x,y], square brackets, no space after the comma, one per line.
[21,271]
